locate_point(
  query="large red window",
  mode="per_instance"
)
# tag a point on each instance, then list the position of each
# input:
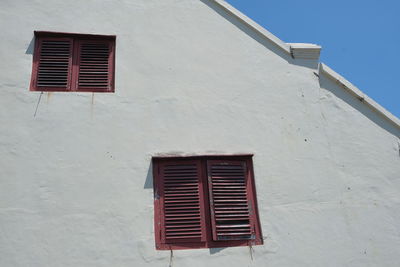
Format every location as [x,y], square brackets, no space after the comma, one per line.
[205,202]
[73,62]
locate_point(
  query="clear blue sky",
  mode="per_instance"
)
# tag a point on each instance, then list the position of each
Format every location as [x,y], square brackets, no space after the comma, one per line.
[360,39]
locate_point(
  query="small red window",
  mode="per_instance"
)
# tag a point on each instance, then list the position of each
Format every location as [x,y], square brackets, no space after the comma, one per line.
[73,62]
[205,202]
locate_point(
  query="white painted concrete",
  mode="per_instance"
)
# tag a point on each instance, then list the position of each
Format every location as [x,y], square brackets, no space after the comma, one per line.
[358,94]
[75,181]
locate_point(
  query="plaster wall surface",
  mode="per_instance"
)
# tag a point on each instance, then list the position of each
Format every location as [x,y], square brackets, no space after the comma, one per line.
[76,181]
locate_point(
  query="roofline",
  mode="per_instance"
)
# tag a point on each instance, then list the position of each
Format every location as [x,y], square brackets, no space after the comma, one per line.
[309,51]
[255,26]
[301,51]
[324,69]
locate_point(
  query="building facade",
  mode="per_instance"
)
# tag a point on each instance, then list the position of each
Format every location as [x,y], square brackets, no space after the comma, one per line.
[192,78]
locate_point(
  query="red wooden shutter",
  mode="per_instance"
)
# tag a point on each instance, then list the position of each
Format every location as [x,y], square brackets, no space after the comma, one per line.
[180,189]
[231,200]
[95,65]
[52,65]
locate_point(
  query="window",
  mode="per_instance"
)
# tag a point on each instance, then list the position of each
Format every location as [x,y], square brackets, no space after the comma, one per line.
[205,202]
[73,62]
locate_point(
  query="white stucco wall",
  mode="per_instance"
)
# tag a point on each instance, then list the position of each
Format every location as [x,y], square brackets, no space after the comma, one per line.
[75,180]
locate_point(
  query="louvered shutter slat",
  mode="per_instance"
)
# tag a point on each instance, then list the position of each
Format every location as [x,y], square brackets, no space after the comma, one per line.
[181,198]
[95,66]
[54,63]
[230,203]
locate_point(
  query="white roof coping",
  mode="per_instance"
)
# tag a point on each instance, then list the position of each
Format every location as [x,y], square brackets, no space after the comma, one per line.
[252,24]
[305,51]
[358,93]
[304,45]
[309,51]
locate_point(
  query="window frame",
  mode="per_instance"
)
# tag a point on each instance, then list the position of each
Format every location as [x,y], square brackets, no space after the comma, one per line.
[73,75]
[209,243]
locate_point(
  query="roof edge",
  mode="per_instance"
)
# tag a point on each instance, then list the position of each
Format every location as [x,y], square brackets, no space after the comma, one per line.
[255,26]
[309,51]
[297,51]
[358,93]
[305,51]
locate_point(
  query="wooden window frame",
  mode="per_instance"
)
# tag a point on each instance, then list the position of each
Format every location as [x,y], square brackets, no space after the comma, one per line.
[209,242]
[72,81]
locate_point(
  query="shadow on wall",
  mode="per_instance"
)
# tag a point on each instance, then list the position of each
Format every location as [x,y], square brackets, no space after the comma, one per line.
[215,250]
[31,47]
[357,104]
[259,37]
[148,184]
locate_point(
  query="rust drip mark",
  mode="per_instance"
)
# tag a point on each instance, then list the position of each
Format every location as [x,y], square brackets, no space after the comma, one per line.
[37,105]
[49,95]
[91,106]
